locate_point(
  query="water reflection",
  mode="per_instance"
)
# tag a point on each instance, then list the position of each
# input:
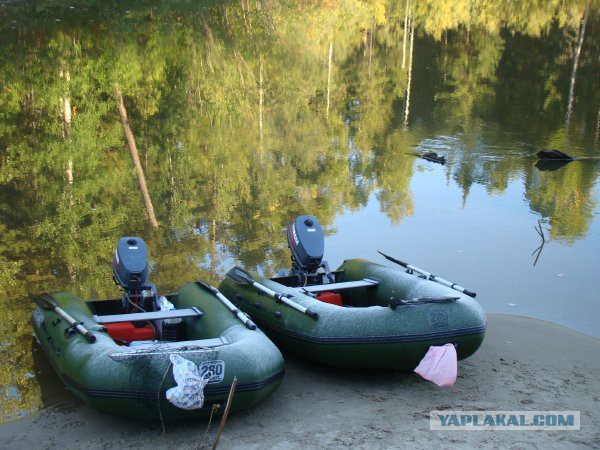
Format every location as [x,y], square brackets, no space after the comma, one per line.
[247,114]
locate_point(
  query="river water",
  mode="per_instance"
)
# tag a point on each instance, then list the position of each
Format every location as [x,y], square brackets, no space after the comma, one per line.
[249,113]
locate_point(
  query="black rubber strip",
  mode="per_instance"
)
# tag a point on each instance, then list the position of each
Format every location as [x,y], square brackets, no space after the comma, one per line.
[357,340]
[209,391]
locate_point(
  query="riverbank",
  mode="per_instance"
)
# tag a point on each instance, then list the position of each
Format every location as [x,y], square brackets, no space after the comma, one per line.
[524,364]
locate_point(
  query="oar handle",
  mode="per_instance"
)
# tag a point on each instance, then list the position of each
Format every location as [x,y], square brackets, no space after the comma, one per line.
[285,299]
[241,276]
[234,309]
[239,314]
[452,285]
[74,324]
[86,333]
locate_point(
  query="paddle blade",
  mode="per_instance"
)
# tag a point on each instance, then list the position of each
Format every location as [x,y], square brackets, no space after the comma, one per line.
[392,259]
[240,276]
[45,301]
[440,299]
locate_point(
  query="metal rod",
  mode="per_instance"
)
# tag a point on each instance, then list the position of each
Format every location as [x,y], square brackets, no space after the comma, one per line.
[283,298]
[46,301]
[241,276]
[234,309]
[430,276]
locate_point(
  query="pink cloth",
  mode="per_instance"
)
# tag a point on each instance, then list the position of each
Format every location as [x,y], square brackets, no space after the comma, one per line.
[439,365]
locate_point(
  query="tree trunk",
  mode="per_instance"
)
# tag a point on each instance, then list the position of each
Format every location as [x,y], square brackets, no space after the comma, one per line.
[225,19]
[410,65]
[213,250]
[246,27]
[370,51]
[404,39]
[66,104]
[70,171]
[136,158]
[329,74]
[67,112]
[261,99]
[576,64]
[598,126]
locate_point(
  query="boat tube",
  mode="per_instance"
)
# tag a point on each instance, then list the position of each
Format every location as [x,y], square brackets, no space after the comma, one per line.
[371,316]
[120,361]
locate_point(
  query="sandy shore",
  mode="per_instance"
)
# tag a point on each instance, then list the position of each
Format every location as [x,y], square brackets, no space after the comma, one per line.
[524,364]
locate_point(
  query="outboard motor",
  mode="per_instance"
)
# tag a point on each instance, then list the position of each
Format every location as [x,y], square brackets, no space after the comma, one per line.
[307,243]
[130,271]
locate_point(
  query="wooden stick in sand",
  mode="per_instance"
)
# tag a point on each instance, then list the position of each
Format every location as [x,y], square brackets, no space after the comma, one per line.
[136,158]
[225,414]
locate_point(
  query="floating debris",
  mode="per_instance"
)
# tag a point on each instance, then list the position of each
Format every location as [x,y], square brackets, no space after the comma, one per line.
[554,155]
[432,156]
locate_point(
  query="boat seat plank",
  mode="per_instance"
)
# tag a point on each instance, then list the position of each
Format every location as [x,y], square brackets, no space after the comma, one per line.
[154,315]
[365,282]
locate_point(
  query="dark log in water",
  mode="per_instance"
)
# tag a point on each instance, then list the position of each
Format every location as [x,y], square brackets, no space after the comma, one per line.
[549,165]
[554,155]
[432,156]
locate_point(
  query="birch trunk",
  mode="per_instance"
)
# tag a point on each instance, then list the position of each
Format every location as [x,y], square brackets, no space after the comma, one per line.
[404,39]
[136,159]
[576,65]
[370,51]
[329,75]
[410,65]
[261,99]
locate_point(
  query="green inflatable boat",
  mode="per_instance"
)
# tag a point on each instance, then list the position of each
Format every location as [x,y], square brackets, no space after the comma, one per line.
[363,315]
[156,357]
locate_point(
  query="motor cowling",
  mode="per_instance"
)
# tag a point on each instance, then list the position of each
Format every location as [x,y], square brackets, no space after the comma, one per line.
[306,241]
[130,263]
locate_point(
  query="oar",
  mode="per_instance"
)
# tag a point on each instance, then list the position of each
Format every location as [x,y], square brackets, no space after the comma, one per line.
[236,312]
[47,302]
[429,276]
[241,276]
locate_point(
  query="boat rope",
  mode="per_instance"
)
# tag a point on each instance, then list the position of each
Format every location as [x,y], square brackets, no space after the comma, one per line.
[162,422]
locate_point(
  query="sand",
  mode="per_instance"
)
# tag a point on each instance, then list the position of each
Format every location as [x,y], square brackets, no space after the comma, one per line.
[524,364]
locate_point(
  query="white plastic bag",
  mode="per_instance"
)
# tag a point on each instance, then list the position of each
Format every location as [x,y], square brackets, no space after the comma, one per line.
[439,365]
[189,392]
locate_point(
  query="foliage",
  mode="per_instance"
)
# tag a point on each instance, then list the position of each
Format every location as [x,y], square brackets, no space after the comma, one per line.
[242,123]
